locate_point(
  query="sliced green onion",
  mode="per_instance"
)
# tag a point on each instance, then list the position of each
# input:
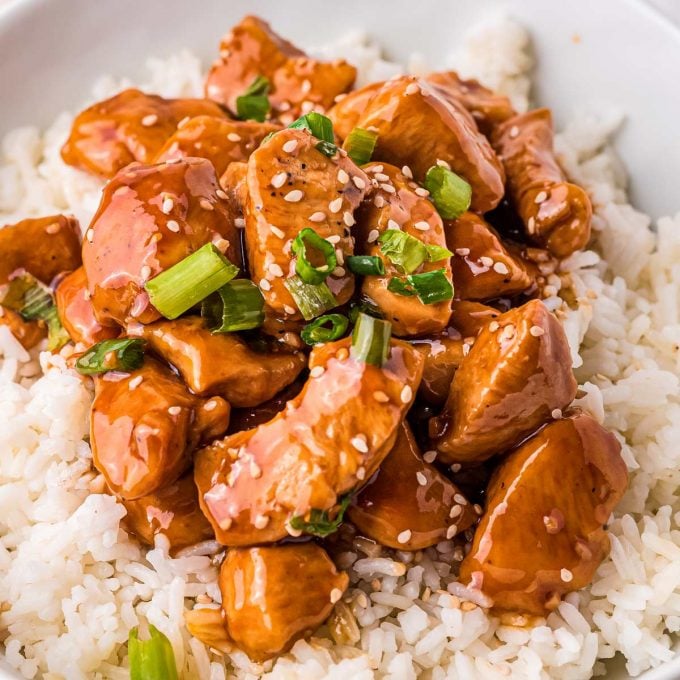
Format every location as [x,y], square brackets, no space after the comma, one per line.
[303,266]
[151,659]
[253,104]
[450,193]
[319,523]
[366,307]
[317,331]
[371,339]
[312,300]
[405,252]
[366,265]
[191,280]
[360,145]
[430,287]
[327,149]
[322,128]
[237,306]
[437,253]
[121,354]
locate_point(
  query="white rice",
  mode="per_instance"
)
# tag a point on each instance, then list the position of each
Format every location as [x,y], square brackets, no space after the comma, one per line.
[72,583]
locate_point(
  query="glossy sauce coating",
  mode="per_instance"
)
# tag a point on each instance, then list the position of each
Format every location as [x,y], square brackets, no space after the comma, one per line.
[130,126]
[417,126]
[443,353]
[469,318]
[409,504]
[417,217]
[28,333]
[327,440]
[349,108]
[515,376]
[288,182]
[219,140]
[42,246]
[273,596]
[541,534]
[298,83]
[144,426]
[76,312]
[556,213]
[483,268]
[221,363]
[150,218]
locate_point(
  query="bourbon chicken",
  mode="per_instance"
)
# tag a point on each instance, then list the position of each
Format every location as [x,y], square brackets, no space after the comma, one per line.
[306,333]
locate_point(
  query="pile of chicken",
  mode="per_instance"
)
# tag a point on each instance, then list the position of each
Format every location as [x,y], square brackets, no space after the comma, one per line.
[245,438]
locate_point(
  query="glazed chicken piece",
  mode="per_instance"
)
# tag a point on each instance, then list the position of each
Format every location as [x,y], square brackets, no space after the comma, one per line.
[291,185]
[221,363]
[28,333]
[541,534]
[274,595]
[76,312]
[326,442]
[556,213]
[130,126]
[443,353]
[469,318]
[150,218]
[145,425]
[409,504]
[349,108]
[297,83]
[483,268]
[417,217]
[418,126]
[219,140]
[516,376]
[172,511]
[488,108]
[43,246]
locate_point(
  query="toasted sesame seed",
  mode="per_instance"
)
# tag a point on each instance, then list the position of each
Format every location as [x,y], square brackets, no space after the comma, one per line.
[372,235]
[556,413]
[359,443]
[168,205]
[221,244]
[459,498]
[388,188]
[175,410]
[336,593]
[89,235]
[404,536]
[145,272]
[443,164]
[293,196]
[52,228]
[429,456]
[501,268]
[477,508]
[172,225]
[382,177]
[279,233]
[135,382]
[335,205]
[183,122]
[306,86]
[290,146]
[451,531]
[265,285]
[486,261]
[566,575]
[455,511]
[380,397]
[221,194]
[358,182]
[379,201]
[275,269]
[239,223]
[466,349]
[317,216]
[456,467]
[317,371]
[531,225]
[422,226]
[210,405]
[494,326]
[536,331]
[412,88]
[514,131]
[255,470]
[206,204]
[339,271]
[334,239]
[343,177]
[361,473]
[422,479]
[541,196]
[149,120]
[261,521]
[391,224]
[406,394]
[233,137]
[279,179]
[377,168]
[462,251]
[225,524]
[407,172]
[348,218]
[340,256]
[288,309]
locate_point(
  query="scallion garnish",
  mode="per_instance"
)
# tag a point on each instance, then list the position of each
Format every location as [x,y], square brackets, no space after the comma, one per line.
[121,354]
[437,253]
[151,659]
[318,331]
[191,280]
[371,339]
[307,271]
[366,265]
[450,193]
[312,299]
[405,252]
[366,307]
[236,306]
[360,145]
[430,287]
[322,128]
[253,104]
[319,523]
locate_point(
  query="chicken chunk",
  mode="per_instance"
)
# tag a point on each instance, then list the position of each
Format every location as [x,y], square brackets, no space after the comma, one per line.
[541,535]
[556,214]
[349,108]
[272,596]
[172,511]
[469,318]
[443,354]
[418,126]
[488,108]
[219,140]
[517,374]
[150,218]
[221,363]
[395,203]
[145,425]
[130,126]
[327,441]
[483,268]
[43,246]
[76,312]
[409,504]
[292,185]
[297,83]
[28,333]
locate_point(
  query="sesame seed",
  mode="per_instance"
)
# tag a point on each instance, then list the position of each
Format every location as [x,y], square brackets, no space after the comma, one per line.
[556,413]
[536,331]
[486,261]
[221,244]
[422,479]
[514,131]
[477,508]
[380,397]
[89,235]
[406,171]
[531,225]
[451,531]
[306,86]
[466,349]
[168,205]
[317,216]
[494,326]
[382,177]
[288,309]
[422,226]
[541,196]
[293,532]
[210,405]
[206,204]
[406,394]
[429,456]
[261,521]
[379,201]
[149,120]
[348,218]
[343,177]
[459,498]
[317,371]
[335,238]
[290,146]
[342,354]
[377,168]
[372,235]
[255,470]
[361,473]
[388,188]
[412,88]
[239,223]
[221,194]
[339,271]
[275,269]
[172,225]
[135,382]
[52,228]
[279,179]
[279,233]
[340,256]
[183,122]
[145,272]
[462,251]
[359,443]
[391,224]
[456,467]
[175,410]
[265,285]
[336,593]
[404,536]
[358,182]
[455,511]
[501,268]
[443,164]
[225,523]
[566,575]
[335,205]
[233,137]
[421,191]
[293,196]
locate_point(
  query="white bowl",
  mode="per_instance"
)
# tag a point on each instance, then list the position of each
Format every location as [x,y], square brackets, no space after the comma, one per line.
[625,55]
